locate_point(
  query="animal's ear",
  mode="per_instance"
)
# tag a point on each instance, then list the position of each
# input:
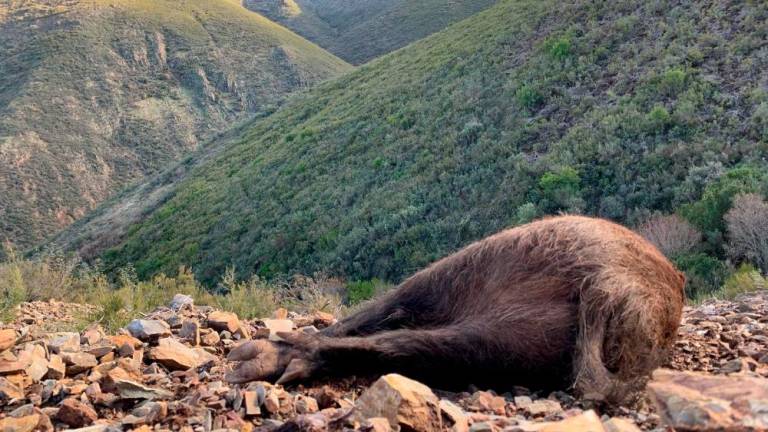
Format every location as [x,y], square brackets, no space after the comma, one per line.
[297,370]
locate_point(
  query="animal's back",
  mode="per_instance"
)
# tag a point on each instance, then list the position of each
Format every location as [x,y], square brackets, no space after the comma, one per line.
[555,257]
[579,291]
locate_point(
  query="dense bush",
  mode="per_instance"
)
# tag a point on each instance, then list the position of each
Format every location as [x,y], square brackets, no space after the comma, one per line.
[705,274]
[361,291]
[744,280]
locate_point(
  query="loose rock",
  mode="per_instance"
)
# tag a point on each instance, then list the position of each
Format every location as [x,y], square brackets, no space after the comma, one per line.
[76,414]
[694,401]
[148,329]
[401,401]
[7,339]
[173,355]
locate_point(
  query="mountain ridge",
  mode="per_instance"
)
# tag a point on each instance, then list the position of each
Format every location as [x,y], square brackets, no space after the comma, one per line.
[98,94]
[364,30]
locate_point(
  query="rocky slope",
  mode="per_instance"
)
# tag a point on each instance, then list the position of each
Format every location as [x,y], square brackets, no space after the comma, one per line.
[96,94]
[165,372]
[527,108]
[359,31]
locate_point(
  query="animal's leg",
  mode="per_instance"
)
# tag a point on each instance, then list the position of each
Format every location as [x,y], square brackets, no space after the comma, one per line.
[625,331]
[475,352]
[411,305]
[382,315]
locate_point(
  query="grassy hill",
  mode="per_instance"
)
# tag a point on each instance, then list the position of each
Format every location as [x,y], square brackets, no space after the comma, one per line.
[97,94]
[359,31]
[615,109]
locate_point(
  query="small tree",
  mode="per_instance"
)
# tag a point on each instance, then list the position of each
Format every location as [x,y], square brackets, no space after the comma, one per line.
[672,234]
[747,230]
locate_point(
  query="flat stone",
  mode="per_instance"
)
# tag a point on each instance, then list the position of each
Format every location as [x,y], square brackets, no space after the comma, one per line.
[585,422]
[402,401]
[38,367]
[223,321]
[276,325]
[120,340]
[20,424]
[696,401]
[64,342]
[617,424]
[99,350]
[148,412]
[252,406]
[7,339]
[56,368]
[147,330]
[455,415]
[78,362]
[92,335]
[543,408]
[174,355]
[485,401]
[11,364]
[523,402]
[128,389]
[76,414]
[210,339]
[9,390]
[190,332]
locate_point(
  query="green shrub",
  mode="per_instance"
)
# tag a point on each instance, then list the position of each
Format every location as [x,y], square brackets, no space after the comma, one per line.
[360,291]
[471,132]
[559,48]
[526,213]
[707,213]
[658,119]
[744,280]
[528,97]
[705,274]
[562,187]
[672,82]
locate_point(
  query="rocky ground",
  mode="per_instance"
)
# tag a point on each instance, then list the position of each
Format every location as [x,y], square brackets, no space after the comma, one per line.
[165,372]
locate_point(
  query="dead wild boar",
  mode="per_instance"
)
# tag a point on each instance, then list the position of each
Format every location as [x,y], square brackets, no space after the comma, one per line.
[563,302]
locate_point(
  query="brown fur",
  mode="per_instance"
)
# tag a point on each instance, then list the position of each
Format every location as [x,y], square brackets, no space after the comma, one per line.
[564,301]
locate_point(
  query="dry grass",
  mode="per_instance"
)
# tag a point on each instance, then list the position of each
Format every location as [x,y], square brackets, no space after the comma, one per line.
[55,277]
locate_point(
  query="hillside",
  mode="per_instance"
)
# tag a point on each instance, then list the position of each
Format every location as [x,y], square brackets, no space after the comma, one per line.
[525,109]
[97,94]
[359,31]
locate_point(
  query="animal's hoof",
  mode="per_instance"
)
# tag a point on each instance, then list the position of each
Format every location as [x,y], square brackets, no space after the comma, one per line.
[261,360]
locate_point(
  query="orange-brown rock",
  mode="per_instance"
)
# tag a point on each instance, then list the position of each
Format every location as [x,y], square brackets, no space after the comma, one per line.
[7,339]
[403,402]
[699,402]
[76,414]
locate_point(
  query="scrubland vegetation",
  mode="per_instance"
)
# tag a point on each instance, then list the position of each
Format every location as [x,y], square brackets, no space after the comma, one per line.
[643,113]
[124,297]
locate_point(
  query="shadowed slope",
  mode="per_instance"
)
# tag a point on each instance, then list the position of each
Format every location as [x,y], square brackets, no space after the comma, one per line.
[359,31]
